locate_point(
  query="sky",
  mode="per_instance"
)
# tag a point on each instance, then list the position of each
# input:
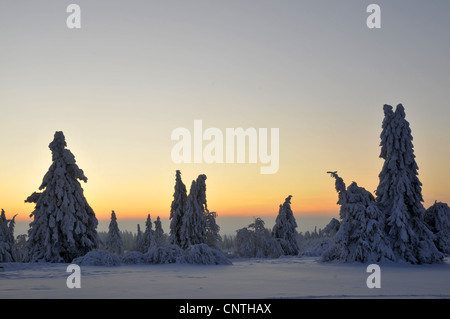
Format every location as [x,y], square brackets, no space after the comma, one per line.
[136,70]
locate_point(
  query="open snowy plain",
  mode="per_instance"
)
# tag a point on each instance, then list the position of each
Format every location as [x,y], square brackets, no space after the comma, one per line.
[293,277]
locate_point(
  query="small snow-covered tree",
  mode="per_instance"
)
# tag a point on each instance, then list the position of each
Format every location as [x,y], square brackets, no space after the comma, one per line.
[399,193]
[7,245]
[139,239]
[256,241]
[148,236]
[177,210]
[437,218]
[361,236]
[64,226]
[159,237]
[21,247]
[244,243]
[113,240]
[285,229]
[212,236]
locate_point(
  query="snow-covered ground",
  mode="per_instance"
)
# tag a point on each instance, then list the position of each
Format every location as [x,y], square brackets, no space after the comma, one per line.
[291,277]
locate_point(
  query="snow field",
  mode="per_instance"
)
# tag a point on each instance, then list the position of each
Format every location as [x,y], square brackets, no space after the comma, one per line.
[289,277]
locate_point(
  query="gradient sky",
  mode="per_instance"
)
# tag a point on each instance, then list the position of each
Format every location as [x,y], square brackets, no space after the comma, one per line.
[136,70]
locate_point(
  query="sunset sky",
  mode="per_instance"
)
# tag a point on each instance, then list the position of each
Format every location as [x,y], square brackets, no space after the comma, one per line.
[137,70]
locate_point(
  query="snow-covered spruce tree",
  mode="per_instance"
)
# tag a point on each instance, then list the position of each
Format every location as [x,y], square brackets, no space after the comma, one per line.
[361,236]
[198,232]
[437,218]
[64,225]
[139,240]
[11,240]
[285,229]
[186,226]
[193,226]
[399,193]
[7,245]
[177,210]
[212,236]
[148,236]
[159,237]
[113,240]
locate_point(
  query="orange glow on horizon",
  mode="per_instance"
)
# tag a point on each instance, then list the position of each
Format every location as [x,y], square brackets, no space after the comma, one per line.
[138,213]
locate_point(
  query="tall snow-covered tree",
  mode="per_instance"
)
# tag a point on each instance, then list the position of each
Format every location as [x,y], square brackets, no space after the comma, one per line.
[285,229]
[64,226]
[361,236]
[193,228]
[113,240]
[437,218]
[399,193]
[177,210]
[7,245]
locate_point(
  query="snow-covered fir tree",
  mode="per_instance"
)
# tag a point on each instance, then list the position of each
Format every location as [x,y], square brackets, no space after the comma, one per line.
[399,193]
[64,226]
[212,236]
[159,237]
[361,236]
[7,245]
[285,229]
[177,210]
[148,236]
[113,240]
[437,218]
[193,227]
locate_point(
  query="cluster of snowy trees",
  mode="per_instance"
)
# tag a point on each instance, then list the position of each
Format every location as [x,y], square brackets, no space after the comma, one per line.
[193,228]
[194,234]
[120,242]
[394,225]
[64,226]
[151,247]
[191,221]
[258,241]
